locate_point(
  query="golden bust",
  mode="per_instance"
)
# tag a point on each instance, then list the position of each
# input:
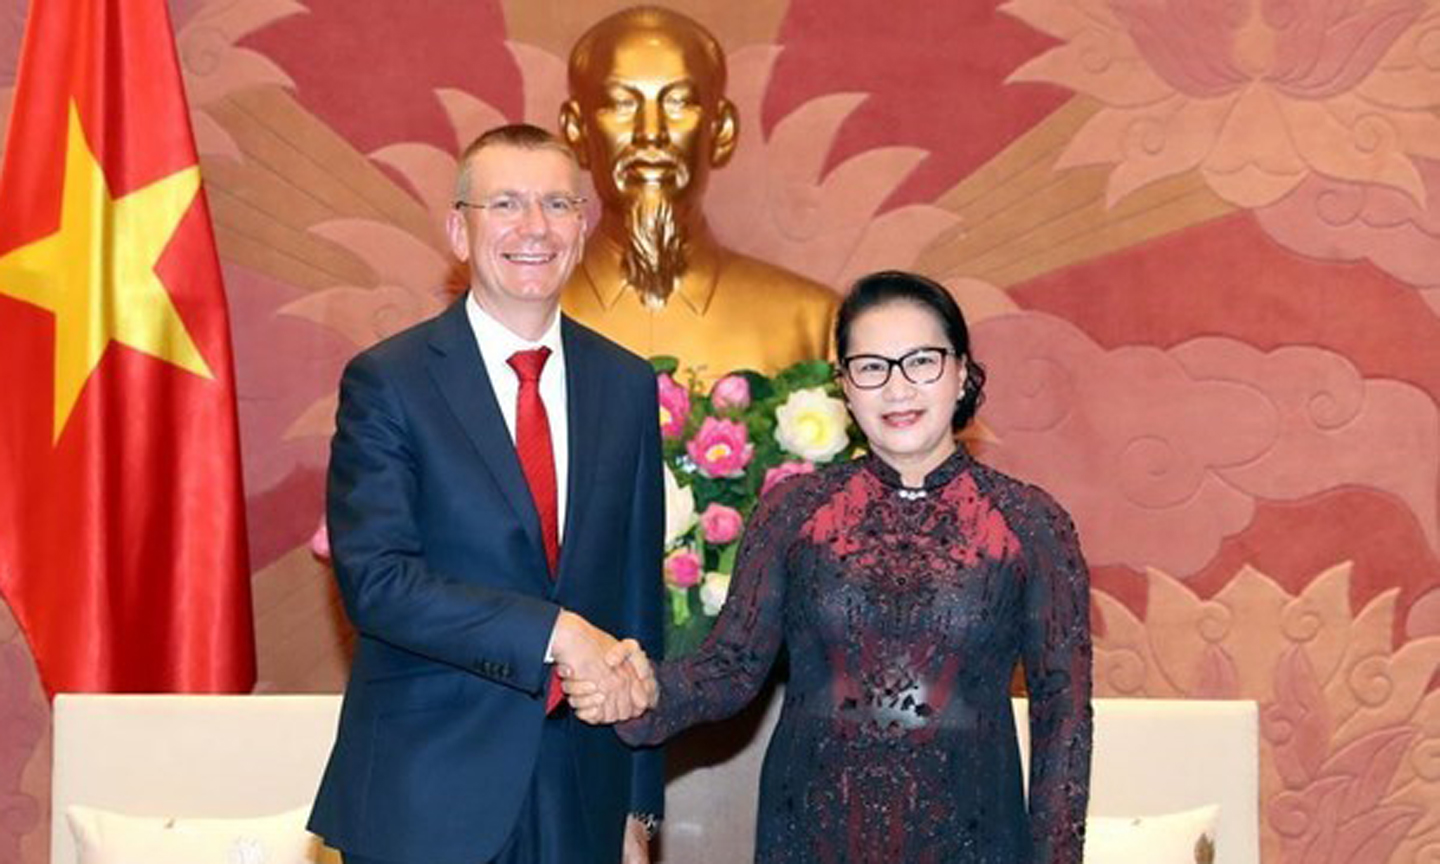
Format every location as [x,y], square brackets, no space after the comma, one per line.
[648,118]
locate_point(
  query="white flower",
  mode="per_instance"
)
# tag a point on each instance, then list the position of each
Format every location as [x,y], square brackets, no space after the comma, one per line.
[812,425]
[713,591]
[679,509]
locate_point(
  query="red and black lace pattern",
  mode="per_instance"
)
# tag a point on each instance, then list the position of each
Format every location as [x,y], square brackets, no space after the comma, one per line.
[904,612]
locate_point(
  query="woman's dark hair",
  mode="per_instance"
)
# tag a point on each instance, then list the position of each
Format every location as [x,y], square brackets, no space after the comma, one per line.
[897,286]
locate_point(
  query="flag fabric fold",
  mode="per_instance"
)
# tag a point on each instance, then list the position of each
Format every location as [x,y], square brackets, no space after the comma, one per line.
[122,529]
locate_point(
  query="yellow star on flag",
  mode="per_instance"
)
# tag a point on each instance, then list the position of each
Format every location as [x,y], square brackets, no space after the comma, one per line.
[97,272]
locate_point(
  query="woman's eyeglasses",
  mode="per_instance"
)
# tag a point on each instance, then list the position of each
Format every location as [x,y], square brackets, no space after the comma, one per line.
[872,371]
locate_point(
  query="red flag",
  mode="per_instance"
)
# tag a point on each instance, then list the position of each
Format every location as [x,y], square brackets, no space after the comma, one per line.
[122,533]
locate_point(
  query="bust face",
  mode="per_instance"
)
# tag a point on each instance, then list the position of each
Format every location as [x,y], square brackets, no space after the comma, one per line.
[647,116]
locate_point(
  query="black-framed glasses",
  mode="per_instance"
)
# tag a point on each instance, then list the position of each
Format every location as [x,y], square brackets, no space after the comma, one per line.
[922,365]
[510,207]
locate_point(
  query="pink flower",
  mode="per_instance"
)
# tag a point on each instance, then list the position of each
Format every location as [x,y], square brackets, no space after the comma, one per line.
[721,524]
[682,568]
[731,393]
[674,406]
[721,448]
[785,470]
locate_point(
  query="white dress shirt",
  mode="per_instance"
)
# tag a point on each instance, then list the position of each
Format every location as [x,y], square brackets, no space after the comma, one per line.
[497,342]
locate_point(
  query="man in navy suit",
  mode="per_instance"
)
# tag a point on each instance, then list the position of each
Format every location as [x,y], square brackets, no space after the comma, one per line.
[495,509]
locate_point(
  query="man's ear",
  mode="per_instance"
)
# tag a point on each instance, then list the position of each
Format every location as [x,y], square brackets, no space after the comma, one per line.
[459,237]
[572,129]
[726,128]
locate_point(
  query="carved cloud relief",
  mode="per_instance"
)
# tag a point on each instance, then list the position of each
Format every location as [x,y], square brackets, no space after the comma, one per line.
[1350,730]
[1160,454]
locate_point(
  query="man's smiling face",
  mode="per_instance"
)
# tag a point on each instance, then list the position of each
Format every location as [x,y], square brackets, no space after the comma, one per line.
[517,257]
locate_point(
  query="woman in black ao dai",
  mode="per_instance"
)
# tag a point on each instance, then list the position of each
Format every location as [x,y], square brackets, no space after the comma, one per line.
[904,586]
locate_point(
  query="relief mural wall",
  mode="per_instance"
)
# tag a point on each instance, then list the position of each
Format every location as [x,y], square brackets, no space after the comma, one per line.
[1200,243]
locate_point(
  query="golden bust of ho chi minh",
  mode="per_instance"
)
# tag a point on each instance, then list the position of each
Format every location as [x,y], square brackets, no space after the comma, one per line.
[648,119]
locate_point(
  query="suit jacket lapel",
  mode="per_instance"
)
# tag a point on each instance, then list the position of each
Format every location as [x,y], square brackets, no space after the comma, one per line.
[582,395]
[460,374]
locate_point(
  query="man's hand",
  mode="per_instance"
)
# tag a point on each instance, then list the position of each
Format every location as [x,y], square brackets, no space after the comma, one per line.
[626,658]
[636,847]
[583,653]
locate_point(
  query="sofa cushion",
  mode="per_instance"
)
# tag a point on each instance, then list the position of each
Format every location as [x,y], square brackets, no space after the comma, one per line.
[1186,837]
[107,837]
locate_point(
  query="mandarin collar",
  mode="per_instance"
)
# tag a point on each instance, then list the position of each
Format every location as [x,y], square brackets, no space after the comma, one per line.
[940,475]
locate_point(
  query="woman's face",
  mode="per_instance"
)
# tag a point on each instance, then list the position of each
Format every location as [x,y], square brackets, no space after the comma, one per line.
[907,424]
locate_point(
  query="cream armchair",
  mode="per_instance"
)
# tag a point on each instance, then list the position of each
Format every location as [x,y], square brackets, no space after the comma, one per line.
[247,756]
[187,756]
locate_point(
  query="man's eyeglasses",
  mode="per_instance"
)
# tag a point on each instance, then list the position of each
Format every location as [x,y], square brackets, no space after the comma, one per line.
[510,208]
[872,371]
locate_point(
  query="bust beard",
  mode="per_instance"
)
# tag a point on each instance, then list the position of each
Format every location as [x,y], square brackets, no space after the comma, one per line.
[656,250]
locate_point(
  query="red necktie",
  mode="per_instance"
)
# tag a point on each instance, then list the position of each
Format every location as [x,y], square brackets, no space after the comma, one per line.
[537,460]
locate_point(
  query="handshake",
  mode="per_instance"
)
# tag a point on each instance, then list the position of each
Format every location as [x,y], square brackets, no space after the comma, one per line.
[605,680]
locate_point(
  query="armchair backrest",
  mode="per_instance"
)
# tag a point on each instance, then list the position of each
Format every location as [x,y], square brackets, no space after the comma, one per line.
[227,756]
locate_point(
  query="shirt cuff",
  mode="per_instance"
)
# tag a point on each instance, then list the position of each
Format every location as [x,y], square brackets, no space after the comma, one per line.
[550,643]
[649,822]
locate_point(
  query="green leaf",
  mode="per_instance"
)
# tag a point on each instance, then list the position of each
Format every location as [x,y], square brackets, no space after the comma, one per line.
[727,557]
[679,606]
[761,388]
[810,373]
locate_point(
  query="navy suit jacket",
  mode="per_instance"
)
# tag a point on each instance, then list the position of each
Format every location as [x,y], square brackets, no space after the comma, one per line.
[438,556]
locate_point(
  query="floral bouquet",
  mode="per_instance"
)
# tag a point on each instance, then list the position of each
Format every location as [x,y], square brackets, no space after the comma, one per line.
[723,450]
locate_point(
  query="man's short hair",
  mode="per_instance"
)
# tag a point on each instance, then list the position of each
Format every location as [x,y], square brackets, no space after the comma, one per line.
[522,136]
